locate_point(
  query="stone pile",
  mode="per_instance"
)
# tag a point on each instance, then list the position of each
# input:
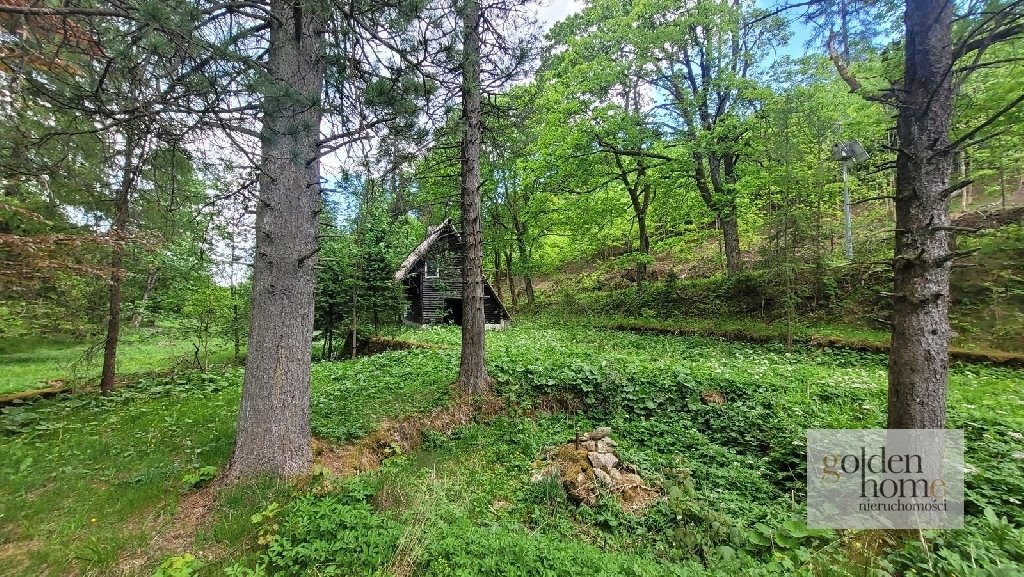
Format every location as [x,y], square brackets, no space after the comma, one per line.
[588,464]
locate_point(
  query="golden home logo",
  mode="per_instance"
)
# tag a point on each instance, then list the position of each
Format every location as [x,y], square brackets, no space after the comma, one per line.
[878,478]
[911,483]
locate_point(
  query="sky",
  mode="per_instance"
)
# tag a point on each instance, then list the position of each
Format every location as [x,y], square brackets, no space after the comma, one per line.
[552,11]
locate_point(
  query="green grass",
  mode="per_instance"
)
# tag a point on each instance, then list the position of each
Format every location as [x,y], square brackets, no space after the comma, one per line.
[464,504]
[89,478]
[121,460]
[351,398]
[804,331]
[28,365]
[843,302]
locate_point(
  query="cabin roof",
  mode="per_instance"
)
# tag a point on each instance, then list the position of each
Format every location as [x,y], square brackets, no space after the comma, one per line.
[421,251]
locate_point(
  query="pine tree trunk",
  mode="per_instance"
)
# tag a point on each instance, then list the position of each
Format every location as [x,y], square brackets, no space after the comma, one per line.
[919,360]
[273,434]
[118,231]
[473,376]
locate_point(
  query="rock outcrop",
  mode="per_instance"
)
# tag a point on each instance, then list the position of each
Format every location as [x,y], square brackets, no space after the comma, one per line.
[588,465]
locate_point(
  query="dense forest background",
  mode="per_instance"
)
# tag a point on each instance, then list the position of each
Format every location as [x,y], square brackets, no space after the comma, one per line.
[712,183]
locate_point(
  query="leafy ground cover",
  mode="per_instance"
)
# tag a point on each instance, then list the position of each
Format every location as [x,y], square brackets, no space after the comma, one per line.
[802,332]
[732,474]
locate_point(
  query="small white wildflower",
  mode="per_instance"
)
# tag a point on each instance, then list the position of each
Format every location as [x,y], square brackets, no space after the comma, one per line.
[969,469]
[1013,500]
[1016,435]
[1018,455]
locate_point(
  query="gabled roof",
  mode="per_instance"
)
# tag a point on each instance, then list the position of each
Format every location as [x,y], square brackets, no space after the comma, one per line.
[424,247]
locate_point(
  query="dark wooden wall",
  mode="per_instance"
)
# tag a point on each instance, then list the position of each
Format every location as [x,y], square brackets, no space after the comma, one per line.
[447,254]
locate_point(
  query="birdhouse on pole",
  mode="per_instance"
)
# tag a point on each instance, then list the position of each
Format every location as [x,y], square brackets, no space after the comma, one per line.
[846,153]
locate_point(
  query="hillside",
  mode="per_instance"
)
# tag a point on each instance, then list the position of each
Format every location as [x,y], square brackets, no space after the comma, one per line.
[840,300]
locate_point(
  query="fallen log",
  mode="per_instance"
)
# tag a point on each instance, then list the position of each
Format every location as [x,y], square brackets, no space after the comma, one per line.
[53,391]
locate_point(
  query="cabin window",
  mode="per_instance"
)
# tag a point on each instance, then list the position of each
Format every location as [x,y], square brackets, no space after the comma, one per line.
[431,270]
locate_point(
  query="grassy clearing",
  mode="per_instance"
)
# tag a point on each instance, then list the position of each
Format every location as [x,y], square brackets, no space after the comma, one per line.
[464,505]
[29,365]
[88,479]
[843,303]
[123,460]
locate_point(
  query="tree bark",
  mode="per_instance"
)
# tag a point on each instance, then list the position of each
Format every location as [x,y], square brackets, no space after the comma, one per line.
[965,194]
[118,231]
[473,376]
[353,329]
[919,358]
[731,238]
[273,434]
[730,220]
[715,196]
[644,247]
[497,274]
[511,279]
[146,292]
[236,336]
[640,199]
[1002,188]
[524,258]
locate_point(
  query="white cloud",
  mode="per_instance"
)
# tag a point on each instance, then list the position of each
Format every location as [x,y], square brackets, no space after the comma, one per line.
[550,12]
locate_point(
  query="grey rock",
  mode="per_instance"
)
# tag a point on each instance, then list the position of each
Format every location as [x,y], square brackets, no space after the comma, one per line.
[604,477]
[630,480]
[599,433]
[603,461]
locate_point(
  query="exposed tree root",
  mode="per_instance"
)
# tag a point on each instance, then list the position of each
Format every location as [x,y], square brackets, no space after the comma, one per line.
[401,436]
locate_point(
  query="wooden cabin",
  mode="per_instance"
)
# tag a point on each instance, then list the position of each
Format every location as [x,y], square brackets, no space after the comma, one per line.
[432,278]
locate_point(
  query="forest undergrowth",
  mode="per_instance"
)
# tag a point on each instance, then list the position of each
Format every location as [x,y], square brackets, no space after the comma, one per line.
[93,472]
